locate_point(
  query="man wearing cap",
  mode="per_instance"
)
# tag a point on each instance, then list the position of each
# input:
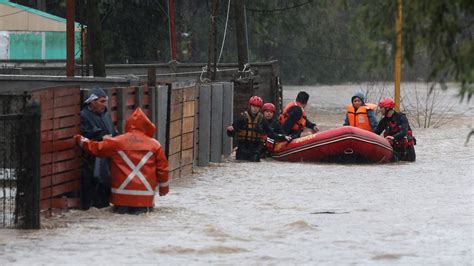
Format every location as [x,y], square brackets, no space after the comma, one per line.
[96,124]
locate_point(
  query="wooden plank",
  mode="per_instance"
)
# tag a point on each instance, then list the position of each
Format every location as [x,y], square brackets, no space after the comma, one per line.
[47,147]
[188,125]
[187,141]
[67,100]
[66,177]
[65,91]
[216,120]
[59,167]
[227,117]
[69,121]
[175,145]
[65,188]
[175,129]
[130,100]
[174,161]
[175,174]
[114,116]
[58,134]
[204,124]
[61,112]
[186,157]
[176,112]
[145,100]
[176,96]
[189,94]
[59,156]
[45,204]
[45,181]
[109,93]
[186,170]
[65,203]
[188,109]
[45,193]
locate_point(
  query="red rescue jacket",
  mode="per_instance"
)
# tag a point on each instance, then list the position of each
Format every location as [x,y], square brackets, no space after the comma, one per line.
[138,162]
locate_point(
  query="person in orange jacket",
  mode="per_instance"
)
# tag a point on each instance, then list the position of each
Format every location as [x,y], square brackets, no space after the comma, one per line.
[138,164]
[361,114]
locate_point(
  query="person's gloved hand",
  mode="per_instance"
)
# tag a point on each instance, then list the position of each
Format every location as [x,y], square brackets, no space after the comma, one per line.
[164,190]
[288,138]
[230,131]
[316,129]
[79,139]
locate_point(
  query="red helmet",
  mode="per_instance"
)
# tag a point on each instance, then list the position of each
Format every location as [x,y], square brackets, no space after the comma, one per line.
[387,103]
[256,101]
[269,107]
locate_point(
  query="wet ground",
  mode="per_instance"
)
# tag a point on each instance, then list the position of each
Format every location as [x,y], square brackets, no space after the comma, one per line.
[287,213]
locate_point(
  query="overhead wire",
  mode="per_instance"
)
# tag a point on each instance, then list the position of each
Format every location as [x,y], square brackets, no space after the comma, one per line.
[279,9]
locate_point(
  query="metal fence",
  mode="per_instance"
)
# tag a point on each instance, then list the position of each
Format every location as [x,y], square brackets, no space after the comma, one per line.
[19,167]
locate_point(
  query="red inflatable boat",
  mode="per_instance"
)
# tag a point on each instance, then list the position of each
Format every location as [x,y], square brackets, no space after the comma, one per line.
[345,144]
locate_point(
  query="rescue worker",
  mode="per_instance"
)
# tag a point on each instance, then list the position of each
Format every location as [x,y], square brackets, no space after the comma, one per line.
[361,115]
[96,124]
[271,128]
[397,130]
[293,118]
[138,164]
[248,131]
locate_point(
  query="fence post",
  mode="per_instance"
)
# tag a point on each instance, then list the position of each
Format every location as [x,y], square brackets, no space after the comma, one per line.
[204,124]
[216,118]
[121,108]
[29,188]
[227,117]
[139,97]
[162,115]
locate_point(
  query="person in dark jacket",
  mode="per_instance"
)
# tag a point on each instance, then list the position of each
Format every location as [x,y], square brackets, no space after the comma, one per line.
[293,118]
[96,124]
[249,132]
[396,130]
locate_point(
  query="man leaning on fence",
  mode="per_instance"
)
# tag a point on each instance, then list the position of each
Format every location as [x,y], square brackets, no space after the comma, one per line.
[96,124]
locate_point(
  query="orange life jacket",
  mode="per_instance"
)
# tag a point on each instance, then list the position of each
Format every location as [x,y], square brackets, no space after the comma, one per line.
[301,124]
[252,131]
[138,162]
[359,118]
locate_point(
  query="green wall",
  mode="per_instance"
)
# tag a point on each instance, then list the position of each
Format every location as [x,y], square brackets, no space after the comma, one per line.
[28,45]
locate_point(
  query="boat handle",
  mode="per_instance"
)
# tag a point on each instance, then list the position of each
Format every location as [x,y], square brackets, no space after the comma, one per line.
[348,151]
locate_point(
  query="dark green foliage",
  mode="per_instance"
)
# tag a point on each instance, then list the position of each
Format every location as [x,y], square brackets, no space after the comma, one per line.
[441,29]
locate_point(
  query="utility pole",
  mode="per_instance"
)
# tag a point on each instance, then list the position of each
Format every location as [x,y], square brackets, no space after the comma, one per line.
[70,31]
[172,30]
[398,54]
[212,51]
[240,33]
[94,30]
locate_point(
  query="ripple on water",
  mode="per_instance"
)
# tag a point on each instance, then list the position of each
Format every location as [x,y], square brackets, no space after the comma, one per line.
[300,225]
[176,250]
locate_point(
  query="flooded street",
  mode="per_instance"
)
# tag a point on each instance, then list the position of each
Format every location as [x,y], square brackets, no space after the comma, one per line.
[287,213]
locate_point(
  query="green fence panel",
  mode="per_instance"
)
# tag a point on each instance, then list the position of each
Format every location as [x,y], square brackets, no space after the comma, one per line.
[25,45]
[56,45]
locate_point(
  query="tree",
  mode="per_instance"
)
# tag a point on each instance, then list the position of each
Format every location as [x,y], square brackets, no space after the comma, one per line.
[442,29]
[94,29]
